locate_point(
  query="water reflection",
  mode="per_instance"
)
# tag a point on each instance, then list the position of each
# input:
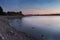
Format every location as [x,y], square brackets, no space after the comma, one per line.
[41,27]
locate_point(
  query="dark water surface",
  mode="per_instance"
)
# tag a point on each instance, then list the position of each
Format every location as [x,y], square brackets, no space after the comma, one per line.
[48,26]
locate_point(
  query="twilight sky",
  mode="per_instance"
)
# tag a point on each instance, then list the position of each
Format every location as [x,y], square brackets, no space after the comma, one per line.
[32,6]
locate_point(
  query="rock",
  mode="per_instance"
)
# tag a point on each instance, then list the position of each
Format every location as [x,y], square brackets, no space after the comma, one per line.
[1,37]
[10,32]
[33,27]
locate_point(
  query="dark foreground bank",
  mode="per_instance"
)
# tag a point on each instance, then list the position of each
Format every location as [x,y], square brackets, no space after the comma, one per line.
[9,33]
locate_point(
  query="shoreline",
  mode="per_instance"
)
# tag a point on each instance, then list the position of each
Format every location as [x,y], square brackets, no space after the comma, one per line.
[9,33]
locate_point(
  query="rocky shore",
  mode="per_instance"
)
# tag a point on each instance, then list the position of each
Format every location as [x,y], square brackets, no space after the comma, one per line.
[9,33]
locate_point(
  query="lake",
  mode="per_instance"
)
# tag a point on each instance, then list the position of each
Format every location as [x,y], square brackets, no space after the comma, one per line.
[40,27]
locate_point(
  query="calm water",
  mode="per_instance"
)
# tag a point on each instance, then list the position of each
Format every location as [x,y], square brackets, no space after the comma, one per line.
[49,26]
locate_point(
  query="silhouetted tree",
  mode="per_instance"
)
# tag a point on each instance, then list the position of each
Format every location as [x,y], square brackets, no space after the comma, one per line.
[20,13]
[1,10]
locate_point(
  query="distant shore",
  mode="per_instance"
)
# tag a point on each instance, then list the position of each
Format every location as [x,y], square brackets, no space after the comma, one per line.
[43,15]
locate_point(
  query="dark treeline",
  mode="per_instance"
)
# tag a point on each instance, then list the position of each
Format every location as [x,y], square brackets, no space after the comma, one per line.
[10,13]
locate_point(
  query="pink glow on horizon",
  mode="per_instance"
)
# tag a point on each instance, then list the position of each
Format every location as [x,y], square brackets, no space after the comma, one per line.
[41,12]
